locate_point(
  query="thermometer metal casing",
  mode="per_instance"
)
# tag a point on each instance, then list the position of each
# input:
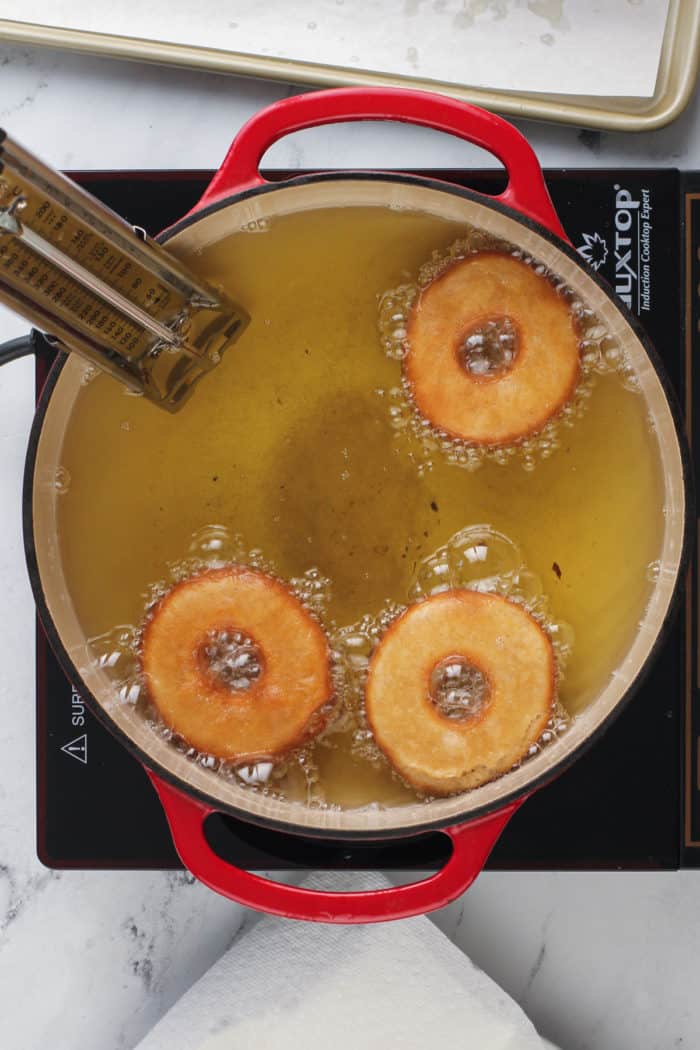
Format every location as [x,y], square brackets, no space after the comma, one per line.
[102,289]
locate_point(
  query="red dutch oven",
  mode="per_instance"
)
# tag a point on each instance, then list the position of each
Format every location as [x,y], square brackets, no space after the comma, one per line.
[524,215]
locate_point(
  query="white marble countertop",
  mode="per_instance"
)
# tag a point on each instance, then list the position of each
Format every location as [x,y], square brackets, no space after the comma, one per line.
[90,960]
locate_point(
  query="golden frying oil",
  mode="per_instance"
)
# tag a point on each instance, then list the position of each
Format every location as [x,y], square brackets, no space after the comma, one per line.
[290,445]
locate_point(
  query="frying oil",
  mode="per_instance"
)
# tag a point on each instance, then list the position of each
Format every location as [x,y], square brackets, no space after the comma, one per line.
[302,453]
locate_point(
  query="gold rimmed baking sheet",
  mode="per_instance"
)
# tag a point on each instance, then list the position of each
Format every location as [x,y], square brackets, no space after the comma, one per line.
[680,55]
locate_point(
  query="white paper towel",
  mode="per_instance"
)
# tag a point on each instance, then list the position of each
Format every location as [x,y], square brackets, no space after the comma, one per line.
[308,986]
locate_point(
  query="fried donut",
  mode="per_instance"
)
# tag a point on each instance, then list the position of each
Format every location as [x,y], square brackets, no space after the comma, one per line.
[236,665]
[480,653]
[492,350]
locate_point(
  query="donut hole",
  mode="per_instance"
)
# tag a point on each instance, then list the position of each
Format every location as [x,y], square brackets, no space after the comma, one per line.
[489,348]
[230,658]
[459,690]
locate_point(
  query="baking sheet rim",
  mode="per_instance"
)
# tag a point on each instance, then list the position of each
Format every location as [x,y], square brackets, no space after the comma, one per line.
[678,67]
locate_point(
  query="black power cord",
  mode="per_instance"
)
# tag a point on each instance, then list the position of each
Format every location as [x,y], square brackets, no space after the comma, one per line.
[20,347]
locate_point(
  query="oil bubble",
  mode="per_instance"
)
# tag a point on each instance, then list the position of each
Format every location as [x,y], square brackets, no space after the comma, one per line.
[653,571]
[62,480]
[528,585]
[433,576]
[129,693]
[481,555]
[116,652]
[556,726]
[394,308]
[89,373]
[255,774]
[211,546]
[210,539]
[232,658]
[477,557]
[354,649]
[458,689]
[562,637]
[313,590]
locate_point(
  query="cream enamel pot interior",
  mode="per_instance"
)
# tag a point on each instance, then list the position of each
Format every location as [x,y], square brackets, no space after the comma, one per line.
[238,195]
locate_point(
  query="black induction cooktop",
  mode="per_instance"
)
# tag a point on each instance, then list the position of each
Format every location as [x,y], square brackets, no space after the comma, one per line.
[633,801]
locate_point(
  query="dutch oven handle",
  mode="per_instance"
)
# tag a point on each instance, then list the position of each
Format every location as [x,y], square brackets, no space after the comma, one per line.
[471,845]
[526,191]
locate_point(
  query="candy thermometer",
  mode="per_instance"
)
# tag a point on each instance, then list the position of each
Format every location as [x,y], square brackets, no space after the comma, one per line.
[104,289]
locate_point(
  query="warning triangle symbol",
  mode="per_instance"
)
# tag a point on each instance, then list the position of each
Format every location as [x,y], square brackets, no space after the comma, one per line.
[77,748]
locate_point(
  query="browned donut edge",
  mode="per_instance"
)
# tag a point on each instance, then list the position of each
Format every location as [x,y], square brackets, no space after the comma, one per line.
[318,719]
[429,788]
[517,436]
